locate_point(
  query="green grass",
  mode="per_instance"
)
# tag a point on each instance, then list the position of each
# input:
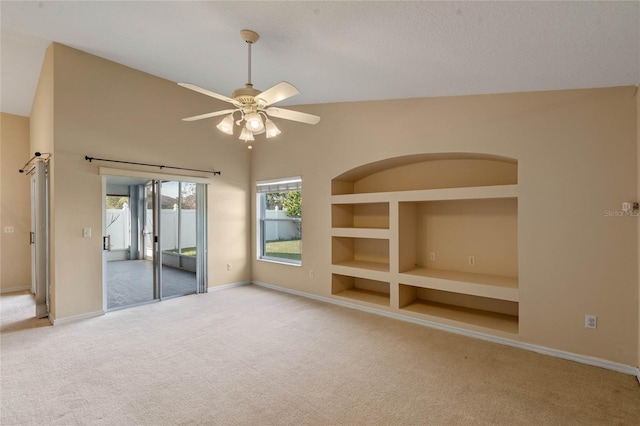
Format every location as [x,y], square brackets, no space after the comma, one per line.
[284,249]
[279,249]
[186,251]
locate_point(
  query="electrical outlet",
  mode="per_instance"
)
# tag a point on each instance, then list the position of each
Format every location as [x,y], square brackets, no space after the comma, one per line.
[311,274]
[432,256]
[472,260]
[591,321]
[9,229]
[86,232]
[228,266]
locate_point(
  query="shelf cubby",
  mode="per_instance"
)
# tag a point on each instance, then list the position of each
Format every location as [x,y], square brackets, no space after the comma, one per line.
[494,286]
[361,289]
[484,312]
[445,235]
[364,253]
[360,215]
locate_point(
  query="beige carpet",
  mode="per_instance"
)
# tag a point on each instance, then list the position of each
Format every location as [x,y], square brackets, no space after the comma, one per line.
[253,356]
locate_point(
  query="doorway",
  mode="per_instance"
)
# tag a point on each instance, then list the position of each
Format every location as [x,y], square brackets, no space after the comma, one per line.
[154,240]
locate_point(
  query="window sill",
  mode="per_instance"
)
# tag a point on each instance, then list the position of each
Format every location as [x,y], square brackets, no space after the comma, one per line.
[281,262]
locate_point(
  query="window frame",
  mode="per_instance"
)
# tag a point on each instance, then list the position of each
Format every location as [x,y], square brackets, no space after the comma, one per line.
[268,187]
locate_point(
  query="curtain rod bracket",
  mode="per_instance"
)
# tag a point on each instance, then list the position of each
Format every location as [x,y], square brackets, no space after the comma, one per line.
[36,155]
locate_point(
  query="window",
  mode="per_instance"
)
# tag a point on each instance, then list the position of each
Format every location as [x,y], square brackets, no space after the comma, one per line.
[280,220]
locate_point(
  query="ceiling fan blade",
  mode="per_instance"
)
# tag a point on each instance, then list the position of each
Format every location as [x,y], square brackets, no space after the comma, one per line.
[288,114]
[277,93]
[209,115]
[209,93]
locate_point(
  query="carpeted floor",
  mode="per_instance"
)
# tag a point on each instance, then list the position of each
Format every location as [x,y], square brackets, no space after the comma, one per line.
[254,356]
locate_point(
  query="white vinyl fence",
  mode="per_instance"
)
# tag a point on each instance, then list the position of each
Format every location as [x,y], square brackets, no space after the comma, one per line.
[119,228]
[278,230]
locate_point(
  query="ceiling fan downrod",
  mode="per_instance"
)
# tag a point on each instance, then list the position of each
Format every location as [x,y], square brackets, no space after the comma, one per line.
[250,37]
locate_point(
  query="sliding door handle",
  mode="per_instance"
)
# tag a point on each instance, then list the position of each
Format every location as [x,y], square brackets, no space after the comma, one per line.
[106,243]
[32,239]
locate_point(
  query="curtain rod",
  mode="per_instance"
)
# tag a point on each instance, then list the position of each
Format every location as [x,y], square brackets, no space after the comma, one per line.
[90,159]
[36,155]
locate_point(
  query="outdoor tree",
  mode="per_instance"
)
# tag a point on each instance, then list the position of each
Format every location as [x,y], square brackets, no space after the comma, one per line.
[188,196]
[116,201]
[292,203]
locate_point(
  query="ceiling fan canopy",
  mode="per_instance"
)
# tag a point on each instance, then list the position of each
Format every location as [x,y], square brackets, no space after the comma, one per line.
[252,105]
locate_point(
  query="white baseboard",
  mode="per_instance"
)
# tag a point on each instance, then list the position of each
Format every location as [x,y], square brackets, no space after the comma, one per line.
[64,320]
[584,359]
[15,289]
[224,286]
[638,374]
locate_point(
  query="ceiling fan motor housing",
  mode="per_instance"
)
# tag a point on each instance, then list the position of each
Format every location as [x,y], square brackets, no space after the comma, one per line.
[245,95]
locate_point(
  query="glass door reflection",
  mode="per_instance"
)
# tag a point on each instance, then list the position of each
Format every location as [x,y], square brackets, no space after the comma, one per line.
[178,238]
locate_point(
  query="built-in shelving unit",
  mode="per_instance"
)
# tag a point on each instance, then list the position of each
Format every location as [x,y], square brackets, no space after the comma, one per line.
[431,236]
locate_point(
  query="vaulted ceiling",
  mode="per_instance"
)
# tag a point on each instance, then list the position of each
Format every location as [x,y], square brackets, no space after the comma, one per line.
[334,51]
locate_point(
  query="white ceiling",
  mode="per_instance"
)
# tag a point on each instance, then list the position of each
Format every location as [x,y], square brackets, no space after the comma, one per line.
[334,51]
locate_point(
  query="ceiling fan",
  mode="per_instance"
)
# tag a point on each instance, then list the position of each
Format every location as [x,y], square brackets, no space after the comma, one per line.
[252,105]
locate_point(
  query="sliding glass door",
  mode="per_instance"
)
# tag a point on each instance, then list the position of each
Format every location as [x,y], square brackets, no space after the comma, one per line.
[165,254]
[178,245]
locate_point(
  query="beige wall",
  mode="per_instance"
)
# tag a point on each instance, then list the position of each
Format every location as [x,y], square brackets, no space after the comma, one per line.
[637,95]
[576,153]
[103,109]
[15,190]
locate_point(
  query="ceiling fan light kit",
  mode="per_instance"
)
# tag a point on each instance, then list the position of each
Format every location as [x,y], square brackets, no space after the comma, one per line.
[271,128]
[226,125]
[252,105]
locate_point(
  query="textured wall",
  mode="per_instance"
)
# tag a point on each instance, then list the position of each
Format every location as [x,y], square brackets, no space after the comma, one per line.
[15,210]
[576,153]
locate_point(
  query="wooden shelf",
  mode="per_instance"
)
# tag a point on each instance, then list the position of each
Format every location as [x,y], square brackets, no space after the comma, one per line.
[493,286]
[492,320]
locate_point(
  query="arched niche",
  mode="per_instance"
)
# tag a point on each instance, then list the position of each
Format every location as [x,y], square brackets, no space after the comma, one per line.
[427,171]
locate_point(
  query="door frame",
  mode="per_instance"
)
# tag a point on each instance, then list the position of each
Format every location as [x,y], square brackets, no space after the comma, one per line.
[201,270]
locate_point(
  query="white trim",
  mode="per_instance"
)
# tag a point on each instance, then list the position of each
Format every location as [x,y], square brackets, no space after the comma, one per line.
[293,179]
[231,285]
[15,289]
[152,175]
[638,374]
[583,359]
[280,262]
[75,317]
